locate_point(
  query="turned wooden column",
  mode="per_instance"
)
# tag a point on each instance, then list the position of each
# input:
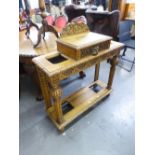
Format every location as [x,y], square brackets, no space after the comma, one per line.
[56,94]
[113,63]
[41,5]
[97,69]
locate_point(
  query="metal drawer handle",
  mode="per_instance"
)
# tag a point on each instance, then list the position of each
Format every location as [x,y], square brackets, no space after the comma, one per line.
[95,50]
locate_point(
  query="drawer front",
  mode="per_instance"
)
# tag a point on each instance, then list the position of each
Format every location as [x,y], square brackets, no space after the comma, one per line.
[93,50]
[81,53]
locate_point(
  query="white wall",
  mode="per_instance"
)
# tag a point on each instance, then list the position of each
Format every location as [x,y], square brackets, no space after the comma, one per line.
[130,1]
[34,3]
[68,2]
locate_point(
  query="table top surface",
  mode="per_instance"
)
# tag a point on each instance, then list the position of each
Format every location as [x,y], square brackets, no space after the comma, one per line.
[83,40]
[26,48]
[54,68]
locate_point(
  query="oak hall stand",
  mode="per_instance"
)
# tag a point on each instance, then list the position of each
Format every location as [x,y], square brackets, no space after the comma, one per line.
[51,72]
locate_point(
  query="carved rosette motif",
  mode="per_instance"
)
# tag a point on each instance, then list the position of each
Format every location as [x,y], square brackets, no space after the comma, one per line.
[57,92]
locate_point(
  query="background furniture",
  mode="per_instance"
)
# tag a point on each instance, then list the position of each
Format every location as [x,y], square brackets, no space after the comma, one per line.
[45,27]
[27,52]
[104,22]
[28,15]
[73,11]
[104,3]
[125,37]
[129,11]
[117,5]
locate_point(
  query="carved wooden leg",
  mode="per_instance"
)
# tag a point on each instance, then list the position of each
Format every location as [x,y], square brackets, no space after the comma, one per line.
[44,88]
[125,48]
[56,93]
[97,68]
[113,63]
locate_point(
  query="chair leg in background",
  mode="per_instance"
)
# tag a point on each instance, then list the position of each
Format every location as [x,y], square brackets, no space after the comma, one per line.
[132,64]
[124,51]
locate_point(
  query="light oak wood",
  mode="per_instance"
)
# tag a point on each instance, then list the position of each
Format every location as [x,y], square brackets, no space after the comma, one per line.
[56,94]
[42,5]
[81,100]
[97,69]
[84,40]
[122,6]
[129,11]
[82,44]
[113,63]
[54,69]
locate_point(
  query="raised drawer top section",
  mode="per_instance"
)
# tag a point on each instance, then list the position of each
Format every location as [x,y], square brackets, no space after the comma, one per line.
[83,40]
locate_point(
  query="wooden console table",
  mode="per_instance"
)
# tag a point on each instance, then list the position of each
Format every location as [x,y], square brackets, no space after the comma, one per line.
[51,72]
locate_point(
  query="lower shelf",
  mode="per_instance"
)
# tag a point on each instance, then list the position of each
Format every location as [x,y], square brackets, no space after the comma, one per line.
[80,101]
